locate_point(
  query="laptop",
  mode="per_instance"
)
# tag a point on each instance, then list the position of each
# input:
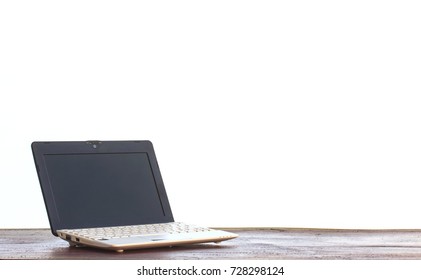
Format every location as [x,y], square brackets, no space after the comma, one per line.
[110,195]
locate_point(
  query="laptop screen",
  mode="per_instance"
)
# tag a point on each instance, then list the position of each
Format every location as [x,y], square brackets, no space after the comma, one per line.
[103,189]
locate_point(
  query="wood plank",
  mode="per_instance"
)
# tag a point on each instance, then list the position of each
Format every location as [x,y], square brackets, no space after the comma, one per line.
[253,243]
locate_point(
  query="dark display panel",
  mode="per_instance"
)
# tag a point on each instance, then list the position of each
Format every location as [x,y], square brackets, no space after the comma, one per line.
[103,189]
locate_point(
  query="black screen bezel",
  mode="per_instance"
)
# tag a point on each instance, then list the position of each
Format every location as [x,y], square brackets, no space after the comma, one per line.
[40,149]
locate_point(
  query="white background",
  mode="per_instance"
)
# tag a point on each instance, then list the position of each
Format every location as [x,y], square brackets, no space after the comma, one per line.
[262,113]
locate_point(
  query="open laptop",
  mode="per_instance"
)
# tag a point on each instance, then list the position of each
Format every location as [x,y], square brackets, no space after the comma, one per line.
[110,195]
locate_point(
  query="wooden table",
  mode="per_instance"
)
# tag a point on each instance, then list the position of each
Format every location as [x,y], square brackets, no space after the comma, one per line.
[253,243]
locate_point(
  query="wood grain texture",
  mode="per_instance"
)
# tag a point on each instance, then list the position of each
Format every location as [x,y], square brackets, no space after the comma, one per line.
[253,243]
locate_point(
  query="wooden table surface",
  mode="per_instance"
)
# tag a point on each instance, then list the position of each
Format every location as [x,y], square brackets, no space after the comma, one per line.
[253,243]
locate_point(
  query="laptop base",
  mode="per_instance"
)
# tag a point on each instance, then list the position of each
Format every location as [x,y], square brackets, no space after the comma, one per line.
[118,246]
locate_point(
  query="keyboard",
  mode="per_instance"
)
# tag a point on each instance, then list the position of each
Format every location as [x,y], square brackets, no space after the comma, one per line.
[106,233]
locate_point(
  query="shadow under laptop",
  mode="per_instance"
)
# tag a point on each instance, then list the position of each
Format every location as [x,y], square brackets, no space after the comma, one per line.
[194,251]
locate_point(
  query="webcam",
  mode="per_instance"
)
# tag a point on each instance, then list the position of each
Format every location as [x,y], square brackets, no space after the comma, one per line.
[95,143]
